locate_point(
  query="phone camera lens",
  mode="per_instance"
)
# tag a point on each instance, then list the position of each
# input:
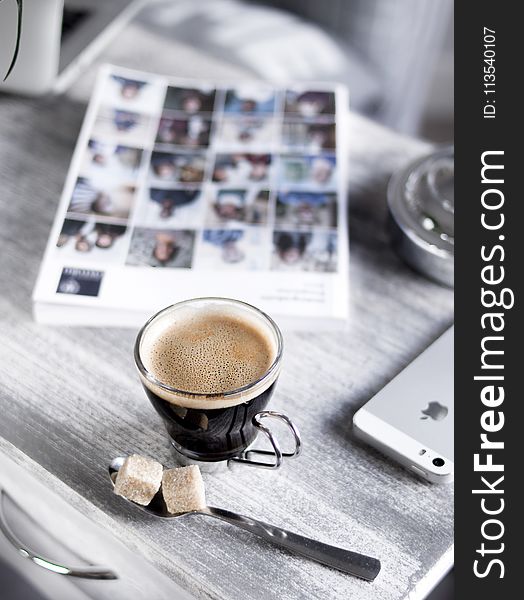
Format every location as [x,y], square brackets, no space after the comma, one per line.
[439,462]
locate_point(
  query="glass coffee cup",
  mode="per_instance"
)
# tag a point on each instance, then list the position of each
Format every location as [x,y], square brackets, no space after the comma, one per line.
[195,342]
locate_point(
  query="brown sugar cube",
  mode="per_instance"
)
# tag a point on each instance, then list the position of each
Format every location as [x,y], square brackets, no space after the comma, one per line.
[183,489]
[138,479]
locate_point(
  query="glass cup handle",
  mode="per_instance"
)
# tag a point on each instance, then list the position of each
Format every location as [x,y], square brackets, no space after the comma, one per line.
[277,453]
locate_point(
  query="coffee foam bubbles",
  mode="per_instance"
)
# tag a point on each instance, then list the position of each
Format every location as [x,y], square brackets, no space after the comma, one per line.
[206,351]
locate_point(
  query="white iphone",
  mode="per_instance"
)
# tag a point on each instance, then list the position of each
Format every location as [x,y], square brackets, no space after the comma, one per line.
[411,418]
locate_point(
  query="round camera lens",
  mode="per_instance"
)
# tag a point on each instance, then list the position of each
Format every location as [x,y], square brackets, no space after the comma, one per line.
[439,462]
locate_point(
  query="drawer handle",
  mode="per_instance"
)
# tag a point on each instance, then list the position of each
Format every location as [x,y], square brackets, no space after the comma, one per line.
[91,572]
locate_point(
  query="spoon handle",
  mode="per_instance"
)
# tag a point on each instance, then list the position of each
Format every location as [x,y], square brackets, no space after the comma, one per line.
[347,561]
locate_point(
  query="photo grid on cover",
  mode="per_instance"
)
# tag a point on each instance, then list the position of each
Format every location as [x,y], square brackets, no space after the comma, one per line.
[193,176]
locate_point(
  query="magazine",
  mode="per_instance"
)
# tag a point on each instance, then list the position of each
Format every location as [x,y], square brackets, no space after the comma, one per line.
[187,188]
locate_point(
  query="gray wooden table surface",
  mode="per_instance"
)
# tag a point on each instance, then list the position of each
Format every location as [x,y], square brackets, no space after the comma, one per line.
[70,398]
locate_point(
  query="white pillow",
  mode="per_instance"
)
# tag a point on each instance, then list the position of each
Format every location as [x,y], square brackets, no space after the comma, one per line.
[271,43]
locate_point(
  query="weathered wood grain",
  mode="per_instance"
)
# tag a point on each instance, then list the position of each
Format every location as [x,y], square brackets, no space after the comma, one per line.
[70,398]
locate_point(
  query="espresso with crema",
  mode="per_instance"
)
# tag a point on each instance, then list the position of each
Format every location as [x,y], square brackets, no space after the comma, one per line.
[210,354]
[211,370]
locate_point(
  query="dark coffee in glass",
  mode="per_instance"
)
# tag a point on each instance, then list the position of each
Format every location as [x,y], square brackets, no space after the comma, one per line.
[209,366]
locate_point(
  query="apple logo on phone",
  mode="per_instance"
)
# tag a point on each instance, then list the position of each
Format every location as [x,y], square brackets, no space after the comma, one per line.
[435,411]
